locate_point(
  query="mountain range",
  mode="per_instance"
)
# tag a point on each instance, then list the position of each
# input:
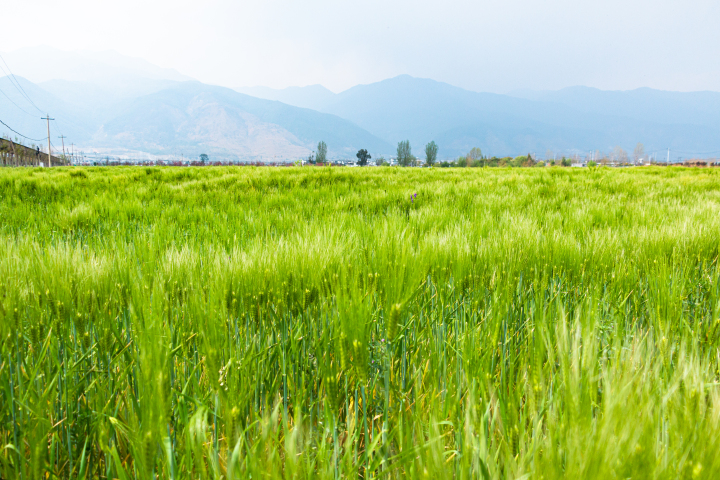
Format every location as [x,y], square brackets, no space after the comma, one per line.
[110,104]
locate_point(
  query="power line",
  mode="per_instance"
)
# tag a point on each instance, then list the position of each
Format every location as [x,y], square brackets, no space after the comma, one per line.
[18,133]
[57,124]
[18,106]
[17,84]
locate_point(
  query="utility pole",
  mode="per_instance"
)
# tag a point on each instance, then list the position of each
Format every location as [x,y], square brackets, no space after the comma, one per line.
[15,158]
[47,117]
[72,152]
[668,157]
[63,137]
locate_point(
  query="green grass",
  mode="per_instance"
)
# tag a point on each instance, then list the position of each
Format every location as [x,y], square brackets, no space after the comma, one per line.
[318,323]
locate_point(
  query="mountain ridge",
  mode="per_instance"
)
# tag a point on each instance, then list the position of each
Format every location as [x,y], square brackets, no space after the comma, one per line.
[113,115]
[189,118]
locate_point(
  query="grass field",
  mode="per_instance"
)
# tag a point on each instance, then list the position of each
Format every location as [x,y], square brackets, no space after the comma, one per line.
[359,323]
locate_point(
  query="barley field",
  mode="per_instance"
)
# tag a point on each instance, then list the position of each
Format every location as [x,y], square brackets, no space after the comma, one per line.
[278,323]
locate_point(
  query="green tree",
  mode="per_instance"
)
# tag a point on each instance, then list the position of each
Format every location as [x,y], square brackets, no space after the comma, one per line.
[363,157]
[519,161]
[405,157]
[321,156]
[431,150]
[474,154]
[204,158]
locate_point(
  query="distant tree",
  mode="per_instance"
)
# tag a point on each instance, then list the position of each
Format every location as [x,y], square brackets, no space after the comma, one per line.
[619,155]
[321,156]
[204,158]
[475,154]
[473,158]
[639,152]
[311,159]
[565,162]
[381,162]
[405,157]
[431,150]
[363,157]
[519,161]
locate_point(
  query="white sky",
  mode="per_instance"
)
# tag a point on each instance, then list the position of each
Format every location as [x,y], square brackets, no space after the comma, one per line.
[498,45]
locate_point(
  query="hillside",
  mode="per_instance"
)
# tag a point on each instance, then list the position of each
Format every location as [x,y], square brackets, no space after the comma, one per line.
[181,118]
[121,105]
[422,110]
[315,97]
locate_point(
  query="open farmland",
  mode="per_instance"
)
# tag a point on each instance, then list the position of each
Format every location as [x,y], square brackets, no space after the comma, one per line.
[236,323]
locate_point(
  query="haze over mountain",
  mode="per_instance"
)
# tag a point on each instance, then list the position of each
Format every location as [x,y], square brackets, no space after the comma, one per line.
[315,97]
[644,104]
[572,120]
[119,105]
[200,118]
[188,118]
[106,68]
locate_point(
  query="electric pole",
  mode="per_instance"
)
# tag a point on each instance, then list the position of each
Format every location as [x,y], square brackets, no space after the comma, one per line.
[63,137]
[668,157]
[47,117]
[72,152]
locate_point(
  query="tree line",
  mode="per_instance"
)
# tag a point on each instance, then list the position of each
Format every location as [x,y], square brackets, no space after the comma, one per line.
[474,158]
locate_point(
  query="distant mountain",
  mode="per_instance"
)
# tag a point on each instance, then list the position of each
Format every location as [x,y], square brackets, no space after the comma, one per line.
[116,104]
[25,117]
[315,97]
[646,104]
[177,118]
[199,118]
[422,110]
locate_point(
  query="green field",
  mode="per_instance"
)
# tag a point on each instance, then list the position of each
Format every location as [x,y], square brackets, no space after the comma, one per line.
[237,323]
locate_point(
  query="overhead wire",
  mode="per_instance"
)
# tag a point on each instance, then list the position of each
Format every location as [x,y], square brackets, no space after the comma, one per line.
[18,106]
[18,133]
[58,126]
[16,84]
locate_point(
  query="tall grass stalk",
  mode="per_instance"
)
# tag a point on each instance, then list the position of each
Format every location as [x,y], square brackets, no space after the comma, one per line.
[318,323]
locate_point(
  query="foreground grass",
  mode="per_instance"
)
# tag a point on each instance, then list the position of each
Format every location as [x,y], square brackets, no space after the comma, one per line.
[282,323]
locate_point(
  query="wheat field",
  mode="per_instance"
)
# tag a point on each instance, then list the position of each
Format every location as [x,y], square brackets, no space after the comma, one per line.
[208,323]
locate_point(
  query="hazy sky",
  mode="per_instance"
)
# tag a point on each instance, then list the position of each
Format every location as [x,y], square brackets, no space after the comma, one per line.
[480,45]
